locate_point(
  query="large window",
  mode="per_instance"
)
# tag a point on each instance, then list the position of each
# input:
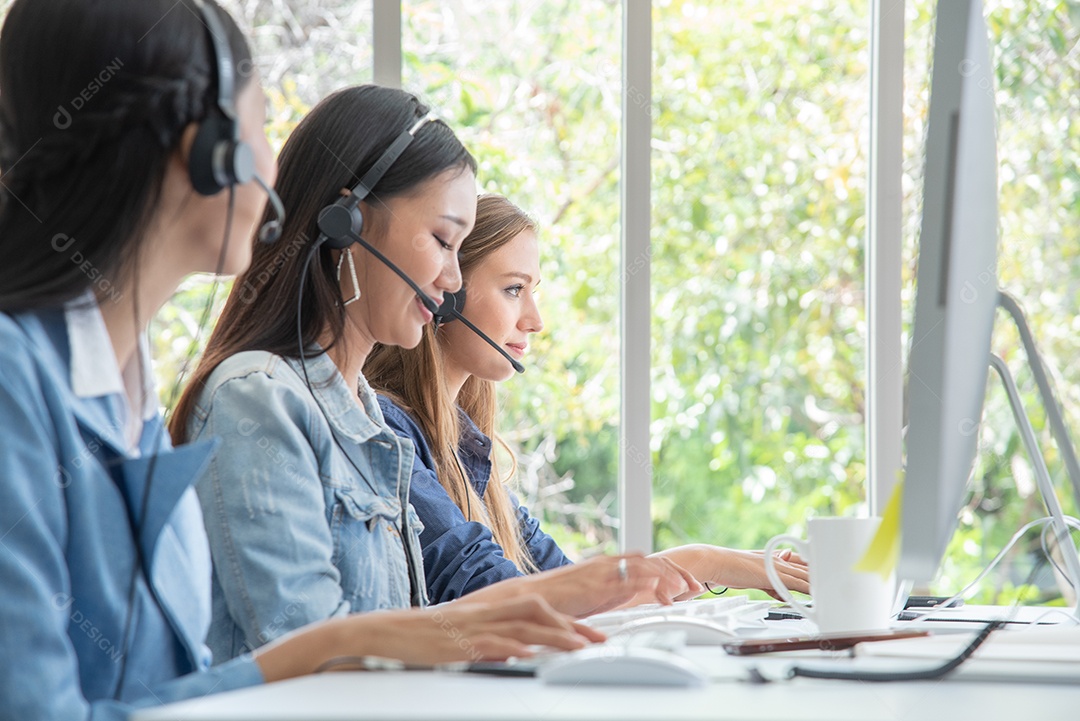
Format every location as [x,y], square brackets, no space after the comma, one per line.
[759,178]
[760,127]
[533,89]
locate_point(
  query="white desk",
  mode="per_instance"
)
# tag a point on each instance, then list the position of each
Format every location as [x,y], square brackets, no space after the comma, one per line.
[435,696]
[427,696]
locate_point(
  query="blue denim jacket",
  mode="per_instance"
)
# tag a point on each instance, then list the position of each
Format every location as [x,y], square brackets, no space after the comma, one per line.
[462,556]
[303,503]
[67,548]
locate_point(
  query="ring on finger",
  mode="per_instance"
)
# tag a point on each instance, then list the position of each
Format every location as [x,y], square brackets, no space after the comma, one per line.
[624,571]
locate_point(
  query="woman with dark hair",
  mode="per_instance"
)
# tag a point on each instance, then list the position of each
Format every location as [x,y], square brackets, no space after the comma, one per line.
[308,513]
[441,396]
[129,148]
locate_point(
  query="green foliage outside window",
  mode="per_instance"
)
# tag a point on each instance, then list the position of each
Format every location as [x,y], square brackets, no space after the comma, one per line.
[760,145]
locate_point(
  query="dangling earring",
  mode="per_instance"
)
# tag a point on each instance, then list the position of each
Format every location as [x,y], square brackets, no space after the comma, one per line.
[352,272]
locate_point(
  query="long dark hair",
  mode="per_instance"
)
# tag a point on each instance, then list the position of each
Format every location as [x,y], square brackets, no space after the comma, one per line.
[329,150]
[94,97]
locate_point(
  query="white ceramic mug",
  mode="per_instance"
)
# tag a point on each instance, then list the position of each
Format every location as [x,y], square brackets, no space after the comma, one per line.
[844,599]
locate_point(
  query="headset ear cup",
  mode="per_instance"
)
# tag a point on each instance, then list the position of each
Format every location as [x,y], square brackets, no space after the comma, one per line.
[217,160]
[201,160]
[242,163]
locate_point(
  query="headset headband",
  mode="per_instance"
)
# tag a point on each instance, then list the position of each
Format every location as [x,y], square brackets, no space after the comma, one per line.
[375,174]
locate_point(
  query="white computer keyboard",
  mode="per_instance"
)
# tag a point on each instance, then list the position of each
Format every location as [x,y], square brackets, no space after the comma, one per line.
[731,612]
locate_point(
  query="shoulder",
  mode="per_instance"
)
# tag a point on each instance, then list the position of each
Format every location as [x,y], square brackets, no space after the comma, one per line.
[256,371]
[398,418]
[247,363]
[402,423]
[32,339]
[253,384]
[33,350]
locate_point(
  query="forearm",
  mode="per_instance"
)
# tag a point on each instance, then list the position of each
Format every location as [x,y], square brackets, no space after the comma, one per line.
[303,651]
[508,590]
[561,588]
[719,566]
[704,562]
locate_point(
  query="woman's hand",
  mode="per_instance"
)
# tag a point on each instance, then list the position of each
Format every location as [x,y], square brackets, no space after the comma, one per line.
[741,569]
[458,631]
[597,584]
[464,631]
[746,569]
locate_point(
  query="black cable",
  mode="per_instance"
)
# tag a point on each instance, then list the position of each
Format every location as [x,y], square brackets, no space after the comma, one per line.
[464,481]
[135,523]
[715,593]
[457,460]
[301,351]
[193,346]
[921,674]
[415,595]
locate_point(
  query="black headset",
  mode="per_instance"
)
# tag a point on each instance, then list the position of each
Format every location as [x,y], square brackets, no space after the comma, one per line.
[342,220]
[450,310]
[219,159]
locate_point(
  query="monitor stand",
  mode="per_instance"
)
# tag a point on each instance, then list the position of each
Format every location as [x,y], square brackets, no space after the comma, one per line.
[1057,424]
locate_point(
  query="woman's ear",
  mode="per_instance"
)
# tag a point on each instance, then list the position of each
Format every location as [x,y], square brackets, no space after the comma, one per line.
[182,154]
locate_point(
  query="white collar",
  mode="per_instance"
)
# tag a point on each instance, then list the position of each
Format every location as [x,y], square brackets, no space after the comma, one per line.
[95,371]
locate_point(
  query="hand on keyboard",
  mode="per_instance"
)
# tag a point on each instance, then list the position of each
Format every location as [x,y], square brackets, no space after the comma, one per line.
[600,584]
[729,611]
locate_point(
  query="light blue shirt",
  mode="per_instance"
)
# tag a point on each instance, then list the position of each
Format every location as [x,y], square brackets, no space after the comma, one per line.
[303,504]
[76,457]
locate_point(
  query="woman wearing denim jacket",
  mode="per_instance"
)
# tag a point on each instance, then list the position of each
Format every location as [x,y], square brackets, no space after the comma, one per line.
[307,513]
[441,396]
[104,561]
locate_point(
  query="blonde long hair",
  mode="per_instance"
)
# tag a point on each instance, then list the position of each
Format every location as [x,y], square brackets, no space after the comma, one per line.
[416,381]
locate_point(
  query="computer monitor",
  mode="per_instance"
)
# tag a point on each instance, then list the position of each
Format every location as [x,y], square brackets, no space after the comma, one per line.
[956,288]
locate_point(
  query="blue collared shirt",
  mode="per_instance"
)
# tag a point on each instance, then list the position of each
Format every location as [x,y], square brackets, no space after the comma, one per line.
[459,555]
[303,505]
[75,465]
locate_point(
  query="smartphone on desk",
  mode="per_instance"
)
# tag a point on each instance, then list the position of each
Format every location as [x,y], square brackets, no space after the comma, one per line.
[821,642]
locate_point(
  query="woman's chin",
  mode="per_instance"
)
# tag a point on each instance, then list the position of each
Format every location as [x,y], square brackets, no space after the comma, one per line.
[408,339]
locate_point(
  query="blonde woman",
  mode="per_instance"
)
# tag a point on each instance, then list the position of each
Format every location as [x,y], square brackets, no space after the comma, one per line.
[441,395]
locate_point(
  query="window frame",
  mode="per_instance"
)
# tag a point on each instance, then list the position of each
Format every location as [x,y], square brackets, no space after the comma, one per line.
[885,363]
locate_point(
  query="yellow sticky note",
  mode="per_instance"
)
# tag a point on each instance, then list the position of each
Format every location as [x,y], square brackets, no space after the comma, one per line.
[884,550]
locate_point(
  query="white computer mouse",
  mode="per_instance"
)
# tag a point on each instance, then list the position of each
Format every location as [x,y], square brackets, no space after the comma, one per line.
[698,631]
[623,666]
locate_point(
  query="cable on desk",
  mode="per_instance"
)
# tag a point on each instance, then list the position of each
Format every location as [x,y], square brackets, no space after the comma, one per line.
[922,675]
[921,617]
